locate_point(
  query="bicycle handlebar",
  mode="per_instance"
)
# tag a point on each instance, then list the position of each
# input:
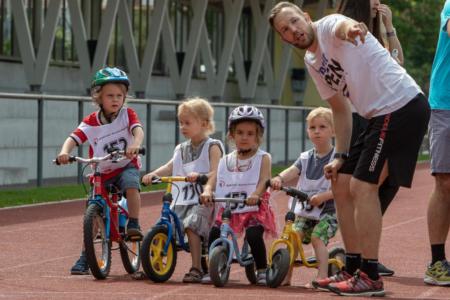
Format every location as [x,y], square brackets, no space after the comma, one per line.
[302,196]
[201,179]
[98,159]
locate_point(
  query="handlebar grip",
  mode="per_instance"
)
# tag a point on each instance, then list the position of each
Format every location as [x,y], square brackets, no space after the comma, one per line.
[71,159]
[141,151]
[202,179]
[297,194]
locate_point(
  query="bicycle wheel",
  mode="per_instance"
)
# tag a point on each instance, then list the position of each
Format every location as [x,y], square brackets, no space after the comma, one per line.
[250,273]
[279,268]
[219,270]
[339,254]
[97,246]
[157,267]
[130,252]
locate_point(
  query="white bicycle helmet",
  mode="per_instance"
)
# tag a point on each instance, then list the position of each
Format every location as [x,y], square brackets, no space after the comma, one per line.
[246,113]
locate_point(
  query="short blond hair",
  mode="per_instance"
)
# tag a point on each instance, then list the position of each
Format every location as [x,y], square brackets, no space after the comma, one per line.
[201,110]
[278,7]
[96,92]
[321,112]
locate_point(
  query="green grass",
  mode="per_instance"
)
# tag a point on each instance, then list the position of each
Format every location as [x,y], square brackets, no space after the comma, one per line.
[33,195]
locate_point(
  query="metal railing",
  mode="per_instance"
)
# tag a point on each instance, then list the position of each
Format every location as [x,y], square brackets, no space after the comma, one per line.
[149,103]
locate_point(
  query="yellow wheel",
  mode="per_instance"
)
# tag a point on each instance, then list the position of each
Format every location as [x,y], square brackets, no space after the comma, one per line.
[157,266]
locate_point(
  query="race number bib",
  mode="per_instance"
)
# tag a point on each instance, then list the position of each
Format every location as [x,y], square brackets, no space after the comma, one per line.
[187,193]
[238,208]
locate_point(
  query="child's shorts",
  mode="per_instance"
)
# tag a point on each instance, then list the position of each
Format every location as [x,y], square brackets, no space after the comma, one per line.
[324,229]
[196,217]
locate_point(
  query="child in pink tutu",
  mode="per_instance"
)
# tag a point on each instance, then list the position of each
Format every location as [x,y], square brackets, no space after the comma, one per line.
[243,174]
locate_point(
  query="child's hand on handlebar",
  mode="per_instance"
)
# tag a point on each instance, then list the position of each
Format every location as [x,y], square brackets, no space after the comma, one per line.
[252,200]
[192,177]
[63,158]
[148,178]
[315,200]
[132,151]
[276,183]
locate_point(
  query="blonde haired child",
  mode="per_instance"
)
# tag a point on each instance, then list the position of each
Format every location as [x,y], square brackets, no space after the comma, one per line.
[200,154]
[316,222]
[113,125]
[243,173]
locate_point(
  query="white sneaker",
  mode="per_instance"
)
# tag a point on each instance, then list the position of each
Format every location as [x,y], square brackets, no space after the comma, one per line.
[206,279]
[261,278]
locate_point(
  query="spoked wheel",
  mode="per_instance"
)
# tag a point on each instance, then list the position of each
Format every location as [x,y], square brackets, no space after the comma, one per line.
[219,270]
[98,247]
[279,268]
[250,273]
[339,254]
[157,266]
[130,252]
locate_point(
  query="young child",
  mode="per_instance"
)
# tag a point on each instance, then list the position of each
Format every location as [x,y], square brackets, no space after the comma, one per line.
[113,125]
[244,173]
[200,154]
[316,222]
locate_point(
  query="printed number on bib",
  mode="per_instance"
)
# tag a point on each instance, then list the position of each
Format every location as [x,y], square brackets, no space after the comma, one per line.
[117,144]
[237,195]
[191,192]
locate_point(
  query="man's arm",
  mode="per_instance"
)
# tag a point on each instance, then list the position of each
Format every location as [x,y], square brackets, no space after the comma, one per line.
[348,30]
[342,117]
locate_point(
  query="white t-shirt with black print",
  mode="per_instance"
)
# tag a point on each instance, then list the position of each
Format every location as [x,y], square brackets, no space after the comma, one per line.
[367,74]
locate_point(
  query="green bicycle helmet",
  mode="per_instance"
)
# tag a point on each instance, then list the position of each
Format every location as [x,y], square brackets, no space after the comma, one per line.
[110,75]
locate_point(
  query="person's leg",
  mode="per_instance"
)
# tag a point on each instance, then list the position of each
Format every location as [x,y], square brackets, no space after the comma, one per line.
[438,273]
[346,218]
[321,253]
[254,237]
[195,272]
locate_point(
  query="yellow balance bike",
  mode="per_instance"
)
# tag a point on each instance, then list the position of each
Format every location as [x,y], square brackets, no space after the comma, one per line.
[283,251]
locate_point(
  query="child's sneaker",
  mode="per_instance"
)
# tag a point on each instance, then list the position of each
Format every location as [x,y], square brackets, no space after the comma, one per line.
[438,273]
[322,284]
[359,285]
[81,266]
[261,277]
[134,230]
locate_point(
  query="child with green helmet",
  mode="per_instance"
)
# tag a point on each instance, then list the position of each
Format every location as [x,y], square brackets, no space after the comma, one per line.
[113,125]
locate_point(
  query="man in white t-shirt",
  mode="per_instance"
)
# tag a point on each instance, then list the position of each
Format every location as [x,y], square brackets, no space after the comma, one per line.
[345,61]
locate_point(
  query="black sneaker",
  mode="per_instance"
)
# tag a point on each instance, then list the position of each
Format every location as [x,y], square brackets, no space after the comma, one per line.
[383,271]
[81,266]
[134,230]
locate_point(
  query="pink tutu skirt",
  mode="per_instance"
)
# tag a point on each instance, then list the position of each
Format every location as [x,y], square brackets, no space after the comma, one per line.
[264,216]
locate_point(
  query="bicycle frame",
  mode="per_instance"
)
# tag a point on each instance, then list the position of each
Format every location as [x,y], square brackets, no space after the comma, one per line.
[168,216]
[226,231]
[290,238]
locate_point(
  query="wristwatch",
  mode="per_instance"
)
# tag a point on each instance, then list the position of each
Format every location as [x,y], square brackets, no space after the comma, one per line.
[343,156]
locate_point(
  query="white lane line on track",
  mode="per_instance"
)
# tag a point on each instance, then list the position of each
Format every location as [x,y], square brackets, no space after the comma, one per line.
[38,262]
[53,225]
[428,293]
[403,223]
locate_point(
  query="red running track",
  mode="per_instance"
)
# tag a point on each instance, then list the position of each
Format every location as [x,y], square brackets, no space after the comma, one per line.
[40,243]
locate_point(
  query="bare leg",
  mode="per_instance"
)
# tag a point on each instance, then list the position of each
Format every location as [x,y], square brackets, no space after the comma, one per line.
[195,248]
[134,203]
[439,210]
[345,212]
[321,252]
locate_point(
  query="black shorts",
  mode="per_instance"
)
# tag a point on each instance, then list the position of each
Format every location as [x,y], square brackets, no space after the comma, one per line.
[395,137]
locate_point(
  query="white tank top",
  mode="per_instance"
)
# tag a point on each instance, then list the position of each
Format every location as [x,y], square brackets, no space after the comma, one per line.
[116,133]
[235,184]
[310,187]
[188,193]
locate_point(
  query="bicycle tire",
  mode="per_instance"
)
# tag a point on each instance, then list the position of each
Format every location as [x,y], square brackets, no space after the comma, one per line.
[219,270]
[94,233]
[130,252]
[155,266]
[279,268]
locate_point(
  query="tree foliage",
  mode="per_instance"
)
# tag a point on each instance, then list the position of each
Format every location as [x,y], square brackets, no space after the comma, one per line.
[417,24]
